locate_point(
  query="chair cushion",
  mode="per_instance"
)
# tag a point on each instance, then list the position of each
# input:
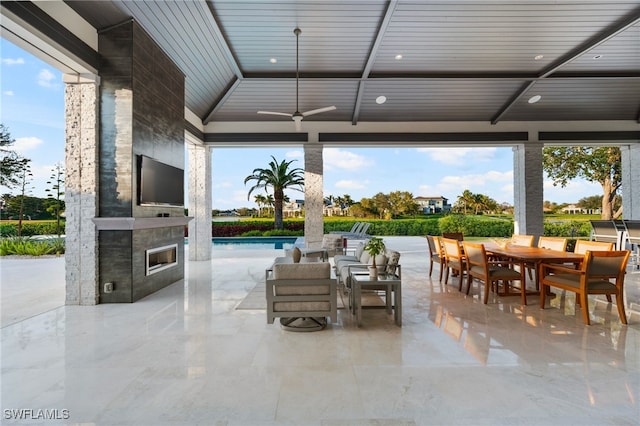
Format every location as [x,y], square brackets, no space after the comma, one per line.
[291,271]
[331,241]
[365,258]
[573,280]
[301,306]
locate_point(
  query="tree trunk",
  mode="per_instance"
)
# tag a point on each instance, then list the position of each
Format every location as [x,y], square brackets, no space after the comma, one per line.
[607,200]
[278,197]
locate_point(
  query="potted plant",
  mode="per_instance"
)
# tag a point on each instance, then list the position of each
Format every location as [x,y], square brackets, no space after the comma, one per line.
[375,246]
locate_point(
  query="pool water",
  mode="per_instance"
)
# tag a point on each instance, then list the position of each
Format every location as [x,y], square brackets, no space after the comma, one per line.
[253,243]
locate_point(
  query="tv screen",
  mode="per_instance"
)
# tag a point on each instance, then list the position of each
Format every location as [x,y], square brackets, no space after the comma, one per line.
[160,184]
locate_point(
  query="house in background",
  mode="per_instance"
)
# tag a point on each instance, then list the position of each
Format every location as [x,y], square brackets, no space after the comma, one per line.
[431,205]
[575,209]
[292,208]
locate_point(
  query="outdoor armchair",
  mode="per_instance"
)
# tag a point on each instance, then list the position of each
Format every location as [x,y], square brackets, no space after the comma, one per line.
[601,272]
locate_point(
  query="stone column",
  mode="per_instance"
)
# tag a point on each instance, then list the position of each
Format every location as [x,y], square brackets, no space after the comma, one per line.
[313,195]
[200,204]
[630,181]
[81,188]
[528,188]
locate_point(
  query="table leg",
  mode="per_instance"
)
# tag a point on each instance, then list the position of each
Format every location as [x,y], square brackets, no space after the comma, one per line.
[388,298]
[397,301]
[357,302]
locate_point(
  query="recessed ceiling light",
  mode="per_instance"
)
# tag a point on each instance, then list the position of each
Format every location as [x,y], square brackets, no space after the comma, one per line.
[534,99]
[273,60]
[538,57]
[398,57]
[597,57]
[381,99]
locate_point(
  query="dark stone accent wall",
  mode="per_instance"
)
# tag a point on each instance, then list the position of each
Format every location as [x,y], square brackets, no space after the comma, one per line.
[142,113]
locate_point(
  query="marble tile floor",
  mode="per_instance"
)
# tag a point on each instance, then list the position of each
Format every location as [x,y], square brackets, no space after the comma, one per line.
[186,356]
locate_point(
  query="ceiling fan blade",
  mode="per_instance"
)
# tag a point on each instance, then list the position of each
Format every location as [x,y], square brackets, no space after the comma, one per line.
[319,110]
[275,113]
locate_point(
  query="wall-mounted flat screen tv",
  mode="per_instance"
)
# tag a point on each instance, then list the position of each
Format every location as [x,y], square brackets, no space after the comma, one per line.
[159,184]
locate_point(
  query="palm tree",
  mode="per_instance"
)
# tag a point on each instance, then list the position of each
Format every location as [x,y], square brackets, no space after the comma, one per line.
[260,201]
[278,176]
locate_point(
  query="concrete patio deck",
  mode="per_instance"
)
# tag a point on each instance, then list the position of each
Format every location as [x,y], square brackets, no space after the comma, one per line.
[185,355]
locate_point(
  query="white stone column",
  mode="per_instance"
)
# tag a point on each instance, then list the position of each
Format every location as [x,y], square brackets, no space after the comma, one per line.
[313,195]
[200,203]
[631,181]
[528,191]
[81,188]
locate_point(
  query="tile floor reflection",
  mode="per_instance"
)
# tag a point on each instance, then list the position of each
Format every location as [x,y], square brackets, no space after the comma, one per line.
[185,355]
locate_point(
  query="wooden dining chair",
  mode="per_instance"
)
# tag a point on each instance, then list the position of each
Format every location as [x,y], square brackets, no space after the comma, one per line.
[601,272]
[582,246]
[551,243]
[522,240]
[454,259]
[435,254]
[491,272]
[459,236]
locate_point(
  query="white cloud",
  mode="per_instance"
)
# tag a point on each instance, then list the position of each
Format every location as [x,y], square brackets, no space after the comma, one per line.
[222,184]
[23,145]
[452,186]
[572,193]
[351,184]
[47,79]
[336,158]
[8,93]
[458,155]
[11,61]
[294,154]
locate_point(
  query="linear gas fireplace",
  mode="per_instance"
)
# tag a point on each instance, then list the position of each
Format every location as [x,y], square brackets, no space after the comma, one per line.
[161,258]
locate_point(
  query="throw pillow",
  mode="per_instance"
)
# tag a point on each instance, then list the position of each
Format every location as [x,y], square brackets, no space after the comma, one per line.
[296,254]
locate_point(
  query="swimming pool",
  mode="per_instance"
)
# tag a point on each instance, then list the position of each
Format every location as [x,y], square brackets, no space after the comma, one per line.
[253,243]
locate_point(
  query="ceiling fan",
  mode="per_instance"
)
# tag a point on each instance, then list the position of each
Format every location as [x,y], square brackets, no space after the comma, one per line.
[298,116]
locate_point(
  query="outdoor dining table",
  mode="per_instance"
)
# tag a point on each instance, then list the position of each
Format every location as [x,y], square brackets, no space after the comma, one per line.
[532,255]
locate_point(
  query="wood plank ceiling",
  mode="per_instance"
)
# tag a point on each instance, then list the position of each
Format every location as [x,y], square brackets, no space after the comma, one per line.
[470,60]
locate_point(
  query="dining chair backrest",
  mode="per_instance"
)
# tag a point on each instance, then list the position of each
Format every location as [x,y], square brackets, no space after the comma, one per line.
[475,253]
[582,246]
[522,240]
[606,265]
[452,249]
[437,242]
[433,251]
[458,236]
[553,243]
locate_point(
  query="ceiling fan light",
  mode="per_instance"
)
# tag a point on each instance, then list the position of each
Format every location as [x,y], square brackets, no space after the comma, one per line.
[534,99]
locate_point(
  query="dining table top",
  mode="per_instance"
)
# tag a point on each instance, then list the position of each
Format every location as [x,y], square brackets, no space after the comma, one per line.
[532,254]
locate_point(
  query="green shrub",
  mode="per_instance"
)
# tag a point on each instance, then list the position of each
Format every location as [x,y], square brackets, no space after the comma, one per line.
[477,226]
[30,228]
[8,230]
[26,246]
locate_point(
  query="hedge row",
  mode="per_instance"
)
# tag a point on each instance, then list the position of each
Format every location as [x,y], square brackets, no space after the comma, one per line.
[248,228]
[30,229]
[471,226]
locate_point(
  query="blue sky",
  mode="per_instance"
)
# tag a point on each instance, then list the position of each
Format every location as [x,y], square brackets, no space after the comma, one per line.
[33,109]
